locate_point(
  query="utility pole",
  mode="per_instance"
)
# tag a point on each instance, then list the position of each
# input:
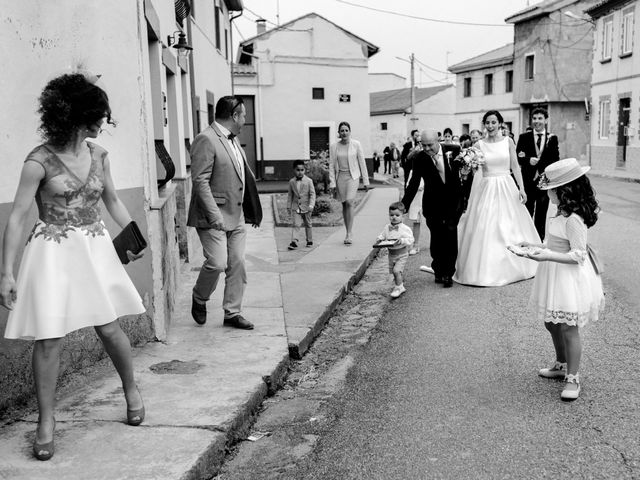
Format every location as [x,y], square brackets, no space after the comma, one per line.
[413,91]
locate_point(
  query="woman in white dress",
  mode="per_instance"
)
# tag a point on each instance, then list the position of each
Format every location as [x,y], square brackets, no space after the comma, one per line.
[70,276]
[496,216]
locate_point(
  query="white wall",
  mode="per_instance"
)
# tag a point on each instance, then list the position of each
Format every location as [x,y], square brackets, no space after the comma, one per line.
[437,112]
[379,82]
[49,43]
[471,109]
[211,70]
[396,131]
[291,64]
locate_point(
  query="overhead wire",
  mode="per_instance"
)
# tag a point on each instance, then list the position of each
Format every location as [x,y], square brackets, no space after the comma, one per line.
[415,17]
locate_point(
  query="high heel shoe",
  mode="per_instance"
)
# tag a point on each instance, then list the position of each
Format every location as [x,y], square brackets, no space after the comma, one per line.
[44,451]
[136,417]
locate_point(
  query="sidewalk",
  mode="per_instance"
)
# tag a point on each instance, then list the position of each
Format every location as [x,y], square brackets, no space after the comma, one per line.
[622,175]
[203,385]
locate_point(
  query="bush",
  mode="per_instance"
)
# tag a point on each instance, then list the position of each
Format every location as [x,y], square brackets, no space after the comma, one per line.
[323,205]
[318,170]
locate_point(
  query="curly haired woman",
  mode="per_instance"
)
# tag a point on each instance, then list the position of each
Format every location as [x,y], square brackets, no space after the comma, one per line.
[70,276]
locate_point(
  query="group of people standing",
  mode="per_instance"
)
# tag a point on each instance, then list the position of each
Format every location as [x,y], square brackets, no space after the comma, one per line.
[70,275]
[472,220]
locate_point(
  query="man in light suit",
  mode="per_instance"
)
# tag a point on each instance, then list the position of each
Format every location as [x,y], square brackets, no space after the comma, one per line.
[224,198]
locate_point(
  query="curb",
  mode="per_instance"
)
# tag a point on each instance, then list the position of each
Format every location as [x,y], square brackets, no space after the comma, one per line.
[297,351]
[615,177]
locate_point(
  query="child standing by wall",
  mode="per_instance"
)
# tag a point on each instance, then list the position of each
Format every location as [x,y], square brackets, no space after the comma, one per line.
[397,238]
[567,290]
[300,202]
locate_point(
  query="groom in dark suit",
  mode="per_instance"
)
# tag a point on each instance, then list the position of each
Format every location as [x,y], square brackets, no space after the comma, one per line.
[536,151]
[442,201]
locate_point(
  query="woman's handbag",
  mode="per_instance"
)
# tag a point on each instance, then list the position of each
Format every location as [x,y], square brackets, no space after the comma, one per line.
[130,238]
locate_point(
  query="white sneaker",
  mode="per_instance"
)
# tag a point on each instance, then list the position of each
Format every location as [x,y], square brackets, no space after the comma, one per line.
[414,251]
[425,268]
[397,291]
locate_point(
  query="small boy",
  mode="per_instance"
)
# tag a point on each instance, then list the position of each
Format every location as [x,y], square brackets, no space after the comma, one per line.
[300,202]
[399,251]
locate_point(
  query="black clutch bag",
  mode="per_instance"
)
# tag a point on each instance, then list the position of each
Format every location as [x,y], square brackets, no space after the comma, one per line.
[130,238]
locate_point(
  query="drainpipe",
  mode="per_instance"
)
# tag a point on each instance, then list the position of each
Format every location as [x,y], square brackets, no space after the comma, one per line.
[231,19]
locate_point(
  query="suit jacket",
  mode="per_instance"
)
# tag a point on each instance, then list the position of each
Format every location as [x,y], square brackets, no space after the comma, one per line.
[388,153]
[405,161]
[526,149]
[219,193]
[440,201]
[357,165]
[302,195]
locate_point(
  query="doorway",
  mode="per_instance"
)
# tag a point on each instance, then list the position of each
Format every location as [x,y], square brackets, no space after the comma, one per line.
[624,112]
[247,136]
[319,143]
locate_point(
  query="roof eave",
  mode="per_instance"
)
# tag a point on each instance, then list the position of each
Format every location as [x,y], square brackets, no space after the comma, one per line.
[602,8]
[387,112]
[501,62]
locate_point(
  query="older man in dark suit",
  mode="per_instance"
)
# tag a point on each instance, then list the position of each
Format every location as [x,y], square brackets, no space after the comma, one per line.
[442,201]
[224,198]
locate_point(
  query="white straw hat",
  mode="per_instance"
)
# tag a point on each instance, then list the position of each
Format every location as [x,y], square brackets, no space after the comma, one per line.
[560,173]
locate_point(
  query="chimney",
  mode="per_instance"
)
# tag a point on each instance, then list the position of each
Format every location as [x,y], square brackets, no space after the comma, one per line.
[261,25]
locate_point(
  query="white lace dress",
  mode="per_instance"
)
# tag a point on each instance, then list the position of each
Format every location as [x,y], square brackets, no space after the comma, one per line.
[567,293]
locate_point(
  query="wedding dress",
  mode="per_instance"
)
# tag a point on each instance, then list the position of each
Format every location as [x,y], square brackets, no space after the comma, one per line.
[494,219]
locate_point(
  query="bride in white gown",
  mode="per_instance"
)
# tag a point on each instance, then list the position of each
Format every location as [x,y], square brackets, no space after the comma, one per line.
[495,217]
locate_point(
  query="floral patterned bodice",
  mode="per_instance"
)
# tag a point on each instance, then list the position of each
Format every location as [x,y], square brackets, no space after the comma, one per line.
[65,201]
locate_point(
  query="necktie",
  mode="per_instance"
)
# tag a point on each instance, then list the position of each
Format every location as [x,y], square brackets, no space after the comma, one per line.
[394,227]
[231,136]
[439,166]
[539,141]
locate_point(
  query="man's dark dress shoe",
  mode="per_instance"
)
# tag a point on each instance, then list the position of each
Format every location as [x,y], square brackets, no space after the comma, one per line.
[438,279]
[447,282]
[198,312]
[238,322]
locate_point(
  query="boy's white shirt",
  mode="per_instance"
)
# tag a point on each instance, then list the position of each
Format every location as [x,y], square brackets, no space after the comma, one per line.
[404,234]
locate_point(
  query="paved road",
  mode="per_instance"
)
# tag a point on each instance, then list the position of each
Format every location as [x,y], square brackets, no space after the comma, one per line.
[447,388]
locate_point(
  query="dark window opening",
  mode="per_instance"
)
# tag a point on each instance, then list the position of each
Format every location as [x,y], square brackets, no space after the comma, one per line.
[383,126]
[217,25]
[467,87]
[317,93]
[488,84]
[508,81]
[528,67]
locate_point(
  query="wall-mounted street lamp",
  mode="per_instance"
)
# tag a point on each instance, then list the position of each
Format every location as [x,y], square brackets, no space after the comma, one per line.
[578,17]
[180,43]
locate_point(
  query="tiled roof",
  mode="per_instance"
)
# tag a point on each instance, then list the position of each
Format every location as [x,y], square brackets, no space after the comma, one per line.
[243,69]
[399,100]
[498,56]
[603,7]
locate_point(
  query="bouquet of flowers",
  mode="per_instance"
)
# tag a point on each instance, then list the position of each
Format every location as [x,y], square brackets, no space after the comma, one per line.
[471,159]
